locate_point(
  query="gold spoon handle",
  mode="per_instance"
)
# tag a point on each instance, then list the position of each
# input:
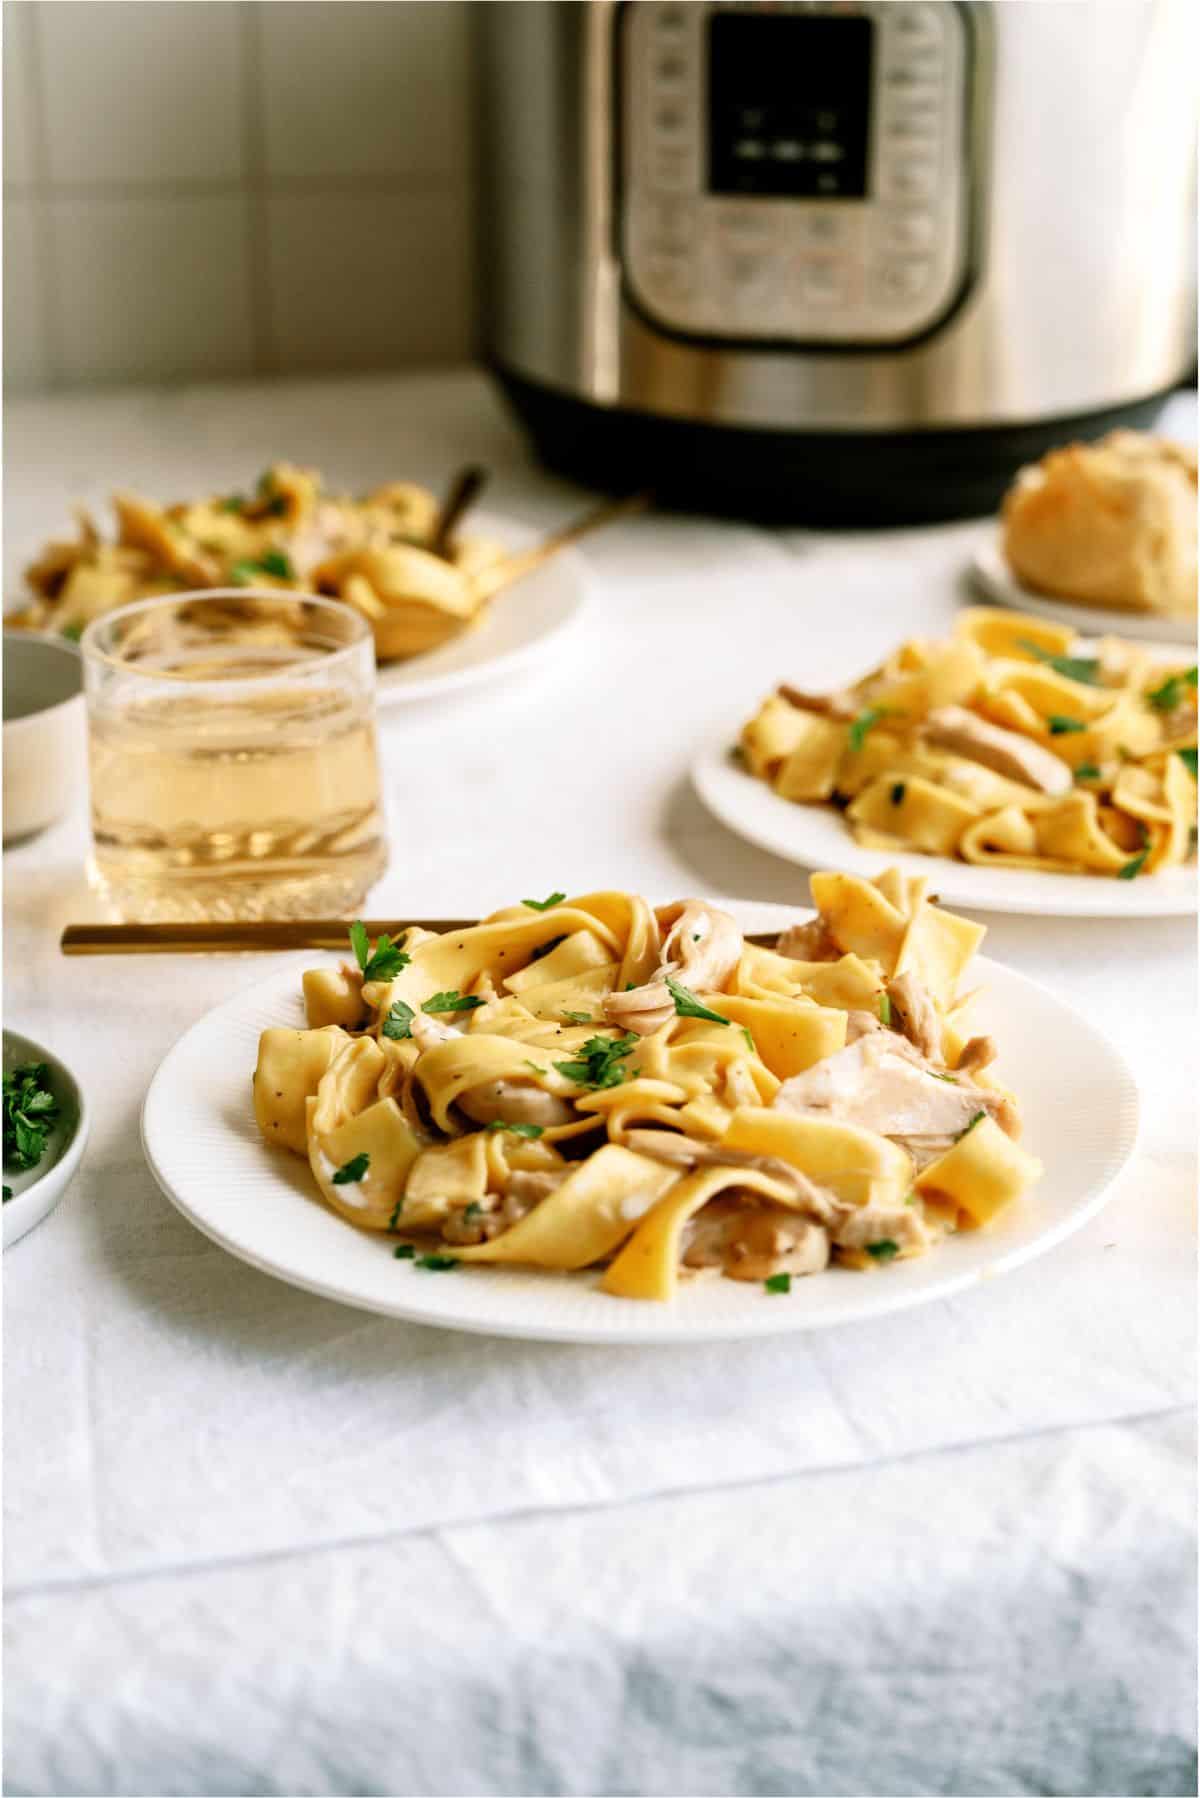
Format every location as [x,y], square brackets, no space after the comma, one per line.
[490,581]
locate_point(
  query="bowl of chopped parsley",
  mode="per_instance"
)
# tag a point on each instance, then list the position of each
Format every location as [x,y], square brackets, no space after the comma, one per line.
[45,1130]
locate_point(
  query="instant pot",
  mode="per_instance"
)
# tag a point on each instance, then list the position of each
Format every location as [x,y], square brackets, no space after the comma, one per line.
[834,259]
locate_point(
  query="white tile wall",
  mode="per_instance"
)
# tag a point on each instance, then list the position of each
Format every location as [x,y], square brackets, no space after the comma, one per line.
[204,188]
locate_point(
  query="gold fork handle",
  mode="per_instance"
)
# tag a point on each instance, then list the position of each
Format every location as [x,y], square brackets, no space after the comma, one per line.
[282,934]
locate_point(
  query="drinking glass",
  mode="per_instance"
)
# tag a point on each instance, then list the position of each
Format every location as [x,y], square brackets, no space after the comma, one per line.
[232,756]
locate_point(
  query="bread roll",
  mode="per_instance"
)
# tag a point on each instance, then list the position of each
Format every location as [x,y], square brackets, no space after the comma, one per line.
[1108,524]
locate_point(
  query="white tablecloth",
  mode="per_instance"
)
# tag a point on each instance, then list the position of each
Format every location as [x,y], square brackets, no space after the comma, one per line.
[257,1542]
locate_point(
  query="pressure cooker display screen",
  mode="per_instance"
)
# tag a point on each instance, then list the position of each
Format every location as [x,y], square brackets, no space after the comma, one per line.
[789,101]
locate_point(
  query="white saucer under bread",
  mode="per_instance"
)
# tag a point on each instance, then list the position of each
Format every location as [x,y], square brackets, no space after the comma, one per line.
[994,578]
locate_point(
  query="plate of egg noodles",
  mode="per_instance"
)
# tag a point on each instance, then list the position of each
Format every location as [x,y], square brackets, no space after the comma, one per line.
[442,619]
[1020,767]
[594,1119]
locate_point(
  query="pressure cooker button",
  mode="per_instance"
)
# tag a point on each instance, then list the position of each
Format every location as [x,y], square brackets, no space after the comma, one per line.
[670,120]
[824,230]
[910,177]
[670,21]
[916,24]
[670,72]
[670,223]
[908,231]
[823,281]
[748,282]
[745,228]
[904,279]
[670,169]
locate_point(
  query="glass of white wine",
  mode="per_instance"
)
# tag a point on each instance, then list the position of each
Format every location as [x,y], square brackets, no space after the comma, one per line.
[232,755]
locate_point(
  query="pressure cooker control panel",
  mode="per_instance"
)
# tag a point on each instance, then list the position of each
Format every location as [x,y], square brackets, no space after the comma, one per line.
[796,172]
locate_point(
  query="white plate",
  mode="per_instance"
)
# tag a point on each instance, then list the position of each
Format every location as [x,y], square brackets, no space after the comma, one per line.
[817,836]
[37,1191]
[1081,1117]
[992,574]
[527,621]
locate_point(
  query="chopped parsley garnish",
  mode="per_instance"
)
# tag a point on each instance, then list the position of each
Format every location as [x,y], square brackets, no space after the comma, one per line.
[887,1250]
[8,1193]
[397,1208]
[532,1131]
[1063,727]
[451,1001]
[473,1210]
[1087,771]
[1133,868]
[352,1171]
[750,1042]
[948,1078]
[579,1017]
[437,1264]
[778,1283]
[898,793]
[273,561]
[967,1128]
[233,502]
[544,904]
[598,1063]
[866,721]
[1084,669]
[275,503]
[382,963]
[404,1251]
[688,1006]
[398,1023]
[535,1068]
[885,1011]
[72,632]
[1169,695]
[1188,758]
[30,1114]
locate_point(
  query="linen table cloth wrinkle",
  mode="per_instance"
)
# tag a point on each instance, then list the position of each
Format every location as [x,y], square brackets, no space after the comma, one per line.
[798,1640]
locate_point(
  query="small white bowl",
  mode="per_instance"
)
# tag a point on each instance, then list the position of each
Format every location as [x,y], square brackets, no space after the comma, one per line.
[37,1190]
[45,753]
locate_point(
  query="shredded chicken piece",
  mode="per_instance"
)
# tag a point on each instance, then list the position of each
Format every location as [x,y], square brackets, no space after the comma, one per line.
[953,727]
[428,1032]
[881,1083]
[915,1015]
[515,1102]
[703,947]
[689,1152]
[842,704]
[978,1053]
[808,942]
[643,1009]
[923,1149]
[752,1242]
[705,943]
[877,1223]
[861,1023]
